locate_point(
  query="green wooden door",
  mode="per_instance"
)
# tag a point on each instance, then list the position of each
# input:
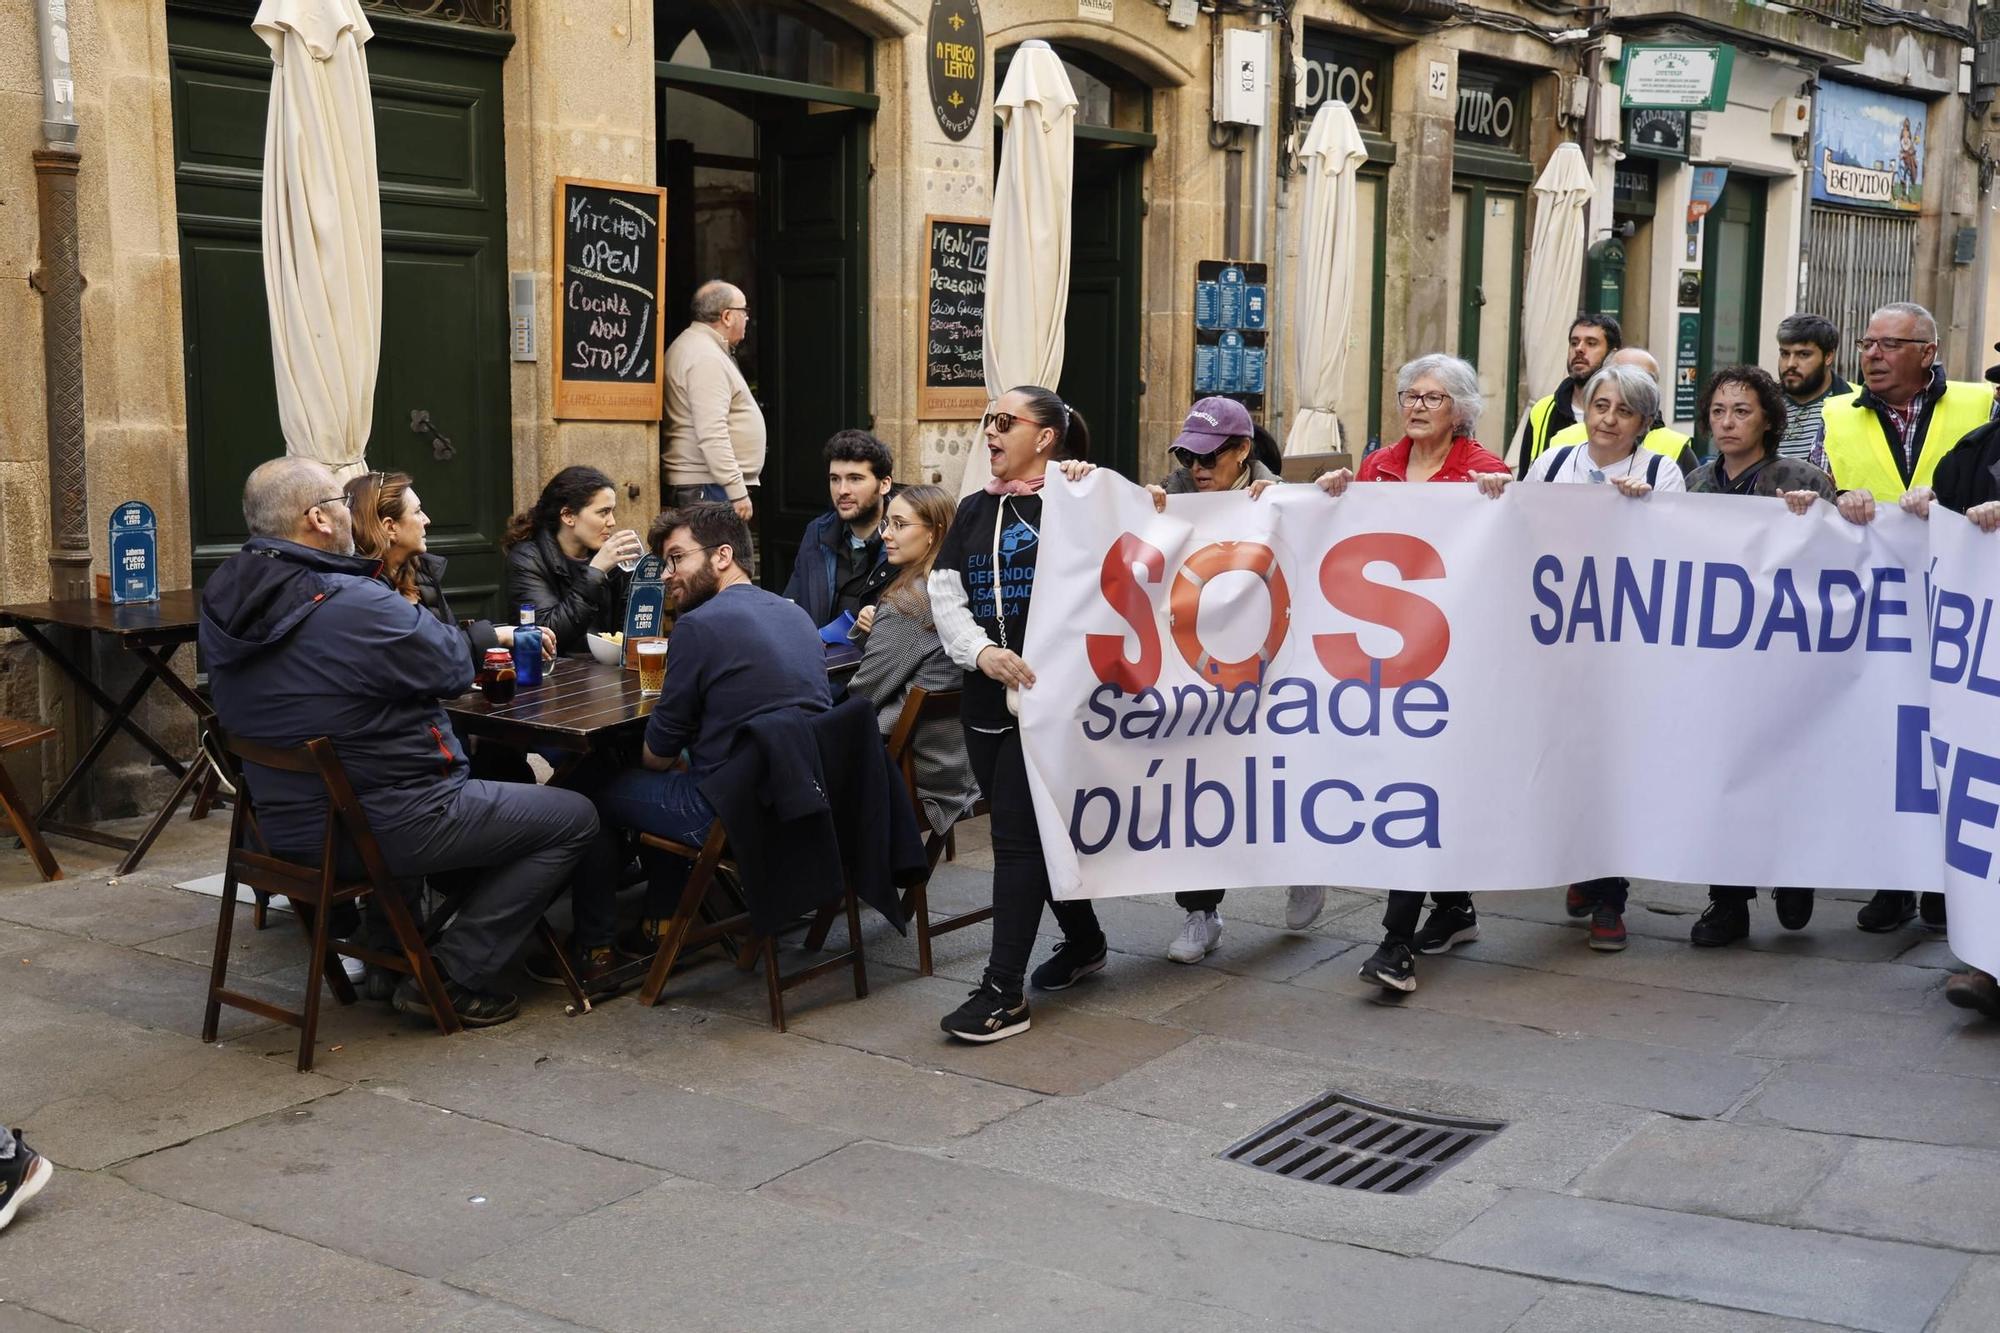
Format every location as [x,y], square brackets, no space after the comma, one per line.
[1732,281]
[1100,376]
[812,317]
[444,284]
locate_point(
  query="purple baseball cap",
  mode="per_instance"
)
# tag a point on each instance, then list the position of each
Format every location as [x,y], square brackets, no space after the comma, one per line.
[1212,423]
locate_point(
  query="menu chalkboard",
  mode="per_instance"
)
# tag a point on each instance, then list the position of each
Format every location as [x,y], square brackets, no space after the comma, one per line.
[953,355]
[611,244]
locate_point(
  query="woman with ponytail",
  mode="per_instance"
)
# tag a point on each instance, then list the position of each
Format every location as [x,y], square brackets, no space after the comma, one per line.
[980,586]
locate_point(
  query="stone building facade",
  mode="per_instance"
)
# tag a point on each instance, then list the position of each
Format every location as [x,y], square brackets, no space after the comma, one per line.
[803,151]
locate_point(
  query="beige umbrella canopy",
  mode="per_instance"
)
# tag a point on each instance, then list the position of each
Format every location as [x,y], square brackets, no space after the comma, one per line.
[1555,267]
[1027,256]
[1327,289]
[322,228]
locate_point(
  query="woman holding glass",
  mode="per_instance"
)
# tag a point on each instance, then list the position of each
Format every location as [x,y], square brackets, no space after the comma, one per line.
[569,560]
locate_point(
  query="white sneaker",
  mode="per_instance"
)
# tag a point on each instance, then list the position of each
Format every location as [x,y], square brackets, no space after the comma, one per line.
[1303,904]
[1202,932]
[356,969]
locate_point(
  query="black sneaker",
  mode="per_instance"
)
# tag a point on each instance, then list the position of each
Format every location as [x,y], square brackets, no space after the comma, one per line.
[1070,963]
[1576,902]
[1886,911]
[475,1009]
[1794,907]
[378,984]
[1392,967]
[22,1177]
[1930,910]
[987,1015]
[1445,927]
[1725,922]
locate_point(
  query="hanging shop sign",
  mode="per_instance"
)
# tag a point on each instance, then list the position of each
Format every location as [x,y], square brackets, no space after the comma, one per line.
[1868,149]
[1691,78]
[1355,72]
[956,42]
[1492,108]
[1634,189]
[1230,317]
[1657,132]
[1708,183]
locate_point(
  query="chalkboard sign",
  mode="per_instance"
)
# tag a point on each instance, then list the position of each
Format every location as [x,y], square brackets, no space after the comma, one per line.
[953,356]
[611,245]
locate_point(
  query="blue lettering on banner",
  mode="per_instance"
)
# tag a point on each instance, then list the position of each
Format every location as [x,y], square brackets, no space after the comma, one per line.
[1725,607]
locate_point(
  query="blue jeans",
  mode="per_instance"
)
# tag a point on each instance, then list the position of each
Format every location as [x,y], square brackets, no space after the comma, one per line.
[665,804]
[708,490]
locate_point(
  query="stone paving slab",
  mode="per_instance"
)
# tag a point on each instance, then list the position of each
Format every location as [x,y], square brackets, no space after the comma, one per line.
[114,913]
[410,1186]
[1144,1248]
[1386,1036]
[1073,1051]
[613,1111]
[1567,1309]
[1972,1305]
[1808,978]
[1866,1284]
[1461,983]
[139,988]
[1805,1032]
[1137,1157]
[1235,1088]
[1947,1197]
[842,1089]
[1709,1166]
[1929,1108]
[689,1256]
[101,1254]
[92,1090]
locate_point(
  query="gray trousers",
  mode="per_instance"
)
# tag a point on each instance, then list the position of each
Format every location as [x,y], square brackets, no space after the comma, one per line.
[523,839]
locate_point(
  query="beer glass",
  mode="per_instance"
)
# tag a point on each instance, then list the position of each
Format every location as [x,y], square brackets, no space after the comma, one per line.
[652,666]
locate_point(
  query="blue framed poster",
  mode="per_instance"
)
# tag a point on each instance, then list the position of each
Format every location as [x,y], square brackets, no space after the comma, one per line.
[135,554]
[1868,149]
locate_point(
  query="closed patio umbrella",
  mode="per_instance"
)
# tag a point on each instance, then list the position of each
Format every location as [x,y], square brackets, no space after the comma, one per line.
[1327,289]
[1027,257]
[1555,267]
[322,228]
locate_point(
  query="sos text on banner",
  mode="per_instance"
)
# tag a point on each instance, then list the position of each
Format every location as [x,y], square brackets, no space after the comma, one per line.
[1417,687]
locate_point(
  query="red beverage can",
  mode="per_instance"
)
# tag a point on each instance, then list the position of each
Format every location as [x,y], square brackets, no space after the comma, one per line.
[496,675]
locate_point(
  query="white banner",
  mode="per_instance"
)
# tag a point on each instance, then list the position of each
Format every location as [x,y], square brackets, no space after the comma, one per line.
[1415,687]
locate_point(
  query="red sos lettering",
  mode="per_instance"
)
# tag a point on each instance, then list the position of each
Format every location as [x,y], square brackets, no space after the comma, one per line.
[1131,563]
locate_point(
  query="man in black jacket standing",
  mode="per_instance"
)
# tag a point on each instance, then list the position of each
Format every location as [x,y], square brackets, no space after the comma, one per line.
[302,640]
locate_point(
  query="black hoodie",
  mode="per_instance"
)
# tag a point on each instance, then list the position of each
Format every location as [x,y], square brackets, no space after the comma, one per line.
[302,643]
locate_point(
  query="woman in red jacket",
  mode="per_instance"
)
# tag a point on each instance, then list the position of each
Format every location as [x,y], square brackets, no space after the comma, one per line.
[1440,399]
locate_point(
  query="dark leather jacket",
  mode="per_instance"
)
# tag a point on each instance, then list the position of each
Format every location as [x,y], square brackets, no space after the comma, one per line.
[571,599]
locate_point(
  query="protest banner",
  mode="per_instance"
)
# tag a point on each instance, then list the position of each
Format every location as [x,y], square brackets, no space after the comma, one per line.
[1417,687]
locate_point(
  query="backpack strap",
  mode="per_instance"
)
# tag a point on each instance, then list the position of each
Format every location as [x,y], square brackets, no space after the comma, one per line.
[1653,467]
[1559,462]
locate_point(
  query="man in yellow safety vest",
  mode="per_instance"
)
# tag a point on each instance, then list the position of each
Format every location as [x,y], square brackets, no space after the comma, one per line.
[1883,442]
[1662,439]
[1886,438]
[1592,338]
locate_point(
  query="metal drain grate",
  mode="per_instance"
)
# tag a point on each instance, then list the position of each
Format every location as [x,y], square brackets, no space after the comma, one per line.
[1347,1142]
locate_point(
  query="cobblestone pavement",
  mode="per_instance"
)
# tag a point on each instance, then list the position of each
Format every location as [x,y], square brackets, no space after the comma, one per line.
[1794,1134]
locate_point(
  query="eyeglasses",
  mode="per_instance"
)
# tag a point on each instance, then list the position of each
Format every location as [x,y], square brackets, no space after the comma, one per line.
[1891,344]
[1189,458]
[742,310]
[1430,402]
[900,524]
[342,499]
[672,559]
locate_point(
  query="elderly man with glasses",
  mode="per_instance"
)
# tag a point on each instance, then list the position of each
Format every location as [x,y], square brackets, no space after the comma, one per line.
[302,640]
[714,436]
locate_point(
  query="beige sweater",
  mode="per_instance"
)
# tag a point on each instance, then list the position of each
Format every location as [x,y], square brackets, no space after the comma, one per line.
[715,430]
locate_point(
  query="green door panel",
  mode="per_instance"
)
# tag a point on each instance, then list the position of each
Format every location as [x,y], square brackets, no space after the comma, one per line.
[1100,375]
[440,156]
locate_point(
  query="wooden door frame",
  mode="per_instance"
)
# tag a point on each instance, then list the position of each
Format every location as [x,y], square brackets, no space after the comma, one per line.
[1753,305]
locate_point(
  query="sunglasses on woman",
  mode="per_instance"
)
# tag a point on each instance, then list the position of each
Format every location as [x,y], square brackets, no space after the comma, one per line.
[1002,422]
[1189,458]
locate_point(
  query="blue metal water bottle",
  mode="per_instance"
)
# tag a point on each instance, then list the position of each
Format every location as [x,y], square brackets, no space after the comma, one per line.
[527,649]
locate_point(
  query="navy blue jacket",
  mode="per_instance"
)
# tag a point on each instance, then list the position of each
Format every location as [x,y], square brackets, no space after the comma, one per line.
[818,565]
[302,643]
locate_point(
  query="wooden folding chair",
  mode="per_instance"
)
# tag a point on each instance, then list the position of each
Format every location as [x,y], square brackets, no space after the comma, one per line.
[921,706]
[18,735]
[687,929]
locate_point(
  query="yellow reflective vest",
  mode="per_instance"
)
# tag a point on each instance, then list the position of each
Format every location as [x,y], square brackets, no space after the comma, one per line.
[1538,427]
[1857,445]
[1662,440]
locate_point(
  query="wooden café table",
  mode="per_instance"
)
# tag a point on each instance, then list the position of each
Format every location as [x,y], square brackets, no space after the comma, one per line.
[152,632]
